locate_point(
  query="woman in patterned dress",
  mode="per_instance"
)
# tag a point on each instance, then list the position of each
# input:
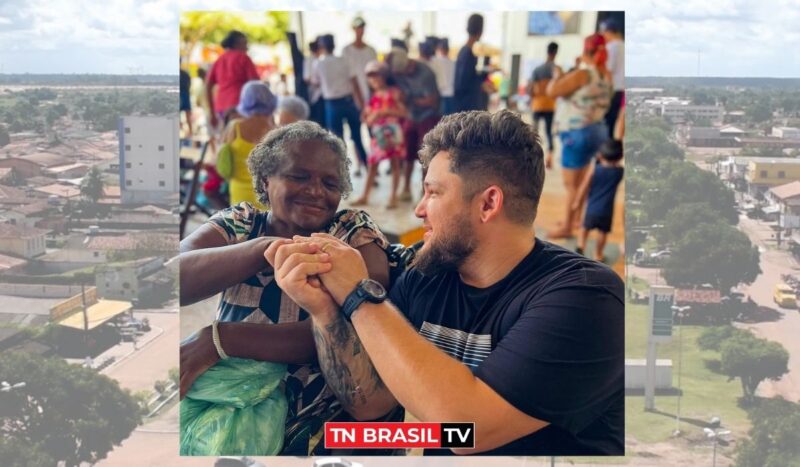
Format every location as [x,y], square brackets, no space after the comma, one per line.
[301,172]
[580,122]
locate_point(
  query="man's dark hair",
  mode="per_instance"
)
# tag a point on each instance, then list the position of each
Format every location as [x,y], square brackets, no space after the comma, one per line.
[611,150]
[313,45]
[232,39]
[326,41]
[552,48]
[492,149]
[475,24]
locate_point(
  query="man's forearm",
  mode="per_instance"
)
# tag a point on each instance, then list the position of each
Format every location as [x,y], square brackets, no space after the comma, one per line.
[349,371]
[206,272]
[420,376]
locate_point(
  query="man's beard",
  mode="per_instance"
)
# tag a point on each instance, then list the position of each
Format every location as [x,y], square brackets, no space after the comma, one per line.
[448,252]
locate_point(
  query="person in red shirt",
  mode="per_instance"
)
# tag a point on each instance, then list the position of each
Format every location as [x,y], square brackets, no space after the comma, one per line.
[228,74]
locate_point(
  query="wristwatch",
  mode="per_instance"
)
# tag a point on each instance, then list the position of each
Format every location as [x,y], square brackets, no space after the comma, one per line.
[367,290]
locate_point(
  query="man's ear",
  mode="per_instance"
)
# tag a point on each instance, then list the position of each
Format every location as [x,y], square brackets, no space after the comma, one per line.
[491,201]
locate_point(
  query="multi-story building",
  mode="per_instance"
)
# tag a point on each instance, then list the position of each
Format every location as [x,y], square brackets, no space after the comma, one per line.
[148,155]
[764,173]
[683,110]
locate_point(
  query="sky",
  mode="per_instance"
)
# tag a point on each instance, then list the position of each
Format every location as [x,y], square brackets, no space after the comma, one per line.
[735,38]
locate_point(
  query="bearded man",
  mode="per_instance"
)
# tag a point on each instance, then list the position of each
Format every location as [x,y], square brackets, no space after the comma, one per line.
[491,325]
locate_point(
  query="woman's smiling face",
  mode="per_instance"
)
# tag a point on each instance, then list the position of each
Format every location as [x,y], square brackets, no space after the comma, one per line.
[306,191]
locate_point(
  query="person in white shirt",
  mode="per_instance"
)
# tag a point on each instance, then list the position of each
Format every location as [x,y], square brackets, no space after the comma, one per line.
[341,94]
[315,102]
[358,55]
[615,46]
[445,70]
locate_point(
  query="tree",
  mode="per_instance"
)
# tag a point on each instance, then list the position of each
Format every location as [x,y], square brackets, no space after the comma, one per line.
[212,26]
[72,414]
[17,453]
[715,254]
[774,438]
[92,185]
[760,111]
[683,218]
[683,182]
[5,137]
[752,360]
[713,338]
[646,146]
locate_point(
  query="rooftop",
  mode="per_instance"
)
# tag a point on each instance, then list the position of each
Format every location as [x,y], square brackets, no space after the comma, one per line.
[13,231]
[787,191]
[8,262]
[58,189]
[45,159]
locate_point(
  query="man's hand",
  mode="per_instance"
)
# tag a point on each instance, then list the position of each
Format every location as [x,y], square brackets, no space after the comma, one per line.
[348,266]
[297,266]
[198,354]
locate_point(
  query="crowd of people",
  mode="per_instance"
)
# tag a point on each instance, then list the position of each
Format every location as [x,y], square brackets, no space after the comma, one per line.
[340,91]
[520,336]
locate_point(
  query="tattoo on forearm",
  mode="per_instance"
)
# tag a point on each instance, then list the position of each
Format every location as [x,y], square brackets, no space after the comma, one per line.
[348,371]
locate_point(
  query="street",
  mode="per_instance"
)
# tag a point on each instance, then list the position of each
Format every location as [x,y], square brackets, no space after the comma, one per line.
[785,330]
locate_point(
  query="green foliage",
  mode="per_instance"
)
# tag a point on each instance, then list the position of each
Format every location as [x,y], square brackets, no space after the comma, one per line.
[17,453]
[685,217]
[174,376]
[760,111]
[774,439]
[5,137]
[683,182]
[92,185]
[717,254]
[72,414]
[212,26]
[713,338]
[752,360]
[647,145]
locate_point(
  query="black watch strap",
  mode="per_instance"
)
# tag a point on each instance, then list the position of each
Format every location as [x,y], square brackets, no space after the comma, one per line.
[367,290]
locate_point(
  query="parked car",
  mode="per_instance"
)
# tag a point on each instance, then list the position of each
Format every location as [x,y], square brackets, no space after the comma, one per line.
[784,295]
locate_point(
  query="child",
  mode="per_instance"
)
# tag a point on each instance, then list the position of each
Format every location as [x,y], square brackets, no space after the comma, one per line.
[601,184]
[383,115]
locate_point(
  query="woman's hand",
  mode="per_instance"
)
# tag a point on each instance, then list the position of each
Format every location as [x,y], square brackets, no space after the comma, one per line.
[297,269]
[348,266]
[198,354]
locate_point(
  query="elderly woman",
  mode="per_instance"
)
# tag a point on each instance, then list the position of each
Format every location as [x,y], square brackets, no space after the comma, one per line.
[301,172]
[292,109]
[256,106]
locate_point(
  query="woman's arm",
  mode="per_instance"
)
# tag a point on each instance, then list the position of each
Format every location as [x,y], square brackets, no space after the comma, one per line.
[208,265]
[280,343]
[565,85]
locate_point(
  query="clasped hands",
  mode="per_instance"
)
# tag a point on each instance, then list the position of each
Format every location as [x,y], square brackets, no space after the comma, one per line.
[317,272]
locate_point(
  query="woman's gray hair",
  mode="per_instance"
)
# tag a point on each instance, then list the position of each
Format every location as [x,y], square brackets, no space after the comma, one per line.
[295,106]
[270,154]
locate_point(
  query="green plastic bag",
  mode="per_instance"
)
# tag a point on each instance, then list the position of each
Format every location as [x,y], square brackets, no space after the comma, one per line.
[225,161]
[236,408]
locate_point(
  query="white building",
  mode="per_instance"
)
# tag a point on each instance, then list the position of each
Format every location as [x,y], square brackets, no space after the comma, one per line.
[24,242]
[681,110]
[148,155]
[786,132]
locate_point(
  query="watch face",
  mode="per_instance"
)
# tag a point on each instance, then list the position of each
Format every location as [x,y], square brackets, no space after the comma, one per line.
[374,288]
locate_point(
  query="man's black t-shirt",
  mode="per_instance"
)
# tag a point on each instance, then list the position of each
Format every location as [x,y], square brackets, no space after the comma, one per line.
[548,338]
